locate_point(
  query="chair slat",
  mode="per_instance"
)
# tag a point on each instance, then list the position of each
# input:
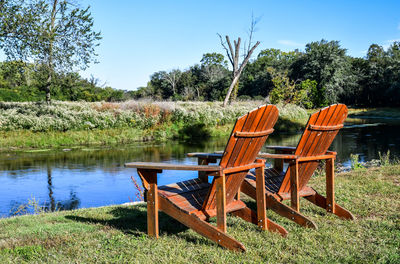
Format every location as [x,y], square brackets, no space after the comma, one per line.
[325,128]
[254,134]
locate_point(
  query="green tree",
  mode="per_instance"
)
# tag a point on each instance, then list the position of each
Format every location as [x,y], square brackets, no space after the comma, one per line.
[276,58]
[213,67]
[307,94]
[214,58]
[325,62]
[392,93]
[57,35]
[256,80]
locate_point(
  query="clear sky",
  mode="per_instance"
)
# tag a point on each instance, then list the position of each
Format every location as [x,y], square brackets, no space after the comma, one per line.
[142,37]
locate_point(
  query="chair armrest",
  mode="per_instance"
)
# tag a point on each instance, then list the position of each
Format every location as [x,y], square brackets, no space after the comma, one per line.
[329,152]
[316,158]
[205,155]
[295,157]
[167,166]
[257,164]
[277,156]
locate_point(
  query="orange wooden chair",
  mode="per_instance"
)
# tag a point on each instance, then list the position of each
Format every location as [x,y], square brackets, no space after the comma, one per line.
[280,185]
[194,201]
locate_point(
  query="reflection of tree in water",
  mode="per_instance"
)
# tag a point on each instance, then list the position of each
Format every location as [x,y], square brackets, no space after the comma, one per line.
[33,205]
[53,205]
[50,187]
[69,204]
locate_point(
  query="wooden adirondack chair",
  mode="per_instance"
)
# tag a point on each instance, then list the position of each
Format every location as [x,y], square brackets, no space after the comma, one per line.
[194,201]
[318,135]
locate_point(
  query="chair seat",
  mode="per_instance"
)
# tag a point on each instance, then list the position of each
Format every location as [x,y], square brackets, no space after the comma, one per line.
[187,195]
[273,179]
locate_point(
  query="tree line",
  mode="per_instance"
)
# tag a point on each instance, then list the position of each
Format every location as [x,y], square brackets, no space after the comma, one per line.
[322,74]
[47,42]
[20,81]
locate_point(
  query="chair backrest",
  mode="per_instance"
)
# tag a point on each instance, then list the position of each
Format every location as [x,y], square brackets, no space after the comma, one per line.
[246,140]
[321,129]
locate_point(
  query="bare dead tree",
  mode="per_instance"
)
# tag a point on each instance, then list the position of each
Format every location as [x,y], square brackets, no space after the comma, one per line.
[172,78]
[233,56]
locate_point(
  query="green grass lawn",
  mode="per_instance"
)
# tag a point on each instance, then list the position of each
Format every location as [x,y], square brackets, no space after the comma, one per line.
[117,234]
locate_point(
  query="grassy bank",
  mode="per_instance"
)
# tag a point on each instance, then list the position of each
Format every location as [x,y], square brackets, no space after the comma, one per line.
[65,124]
[118,233]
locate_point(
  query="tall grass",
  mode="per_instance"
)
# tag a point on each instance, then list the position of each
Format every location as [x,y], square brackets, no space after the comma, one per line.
[38,125]
[65,116]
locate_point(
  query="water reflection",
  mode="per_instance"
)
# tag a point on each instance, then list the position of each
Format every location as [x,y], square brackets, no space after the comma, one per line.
[69,179]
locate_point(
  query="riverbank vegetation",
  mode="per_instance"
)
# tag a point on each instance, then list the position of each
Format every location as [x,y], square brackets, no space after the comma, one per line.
[60,124]
[118,233]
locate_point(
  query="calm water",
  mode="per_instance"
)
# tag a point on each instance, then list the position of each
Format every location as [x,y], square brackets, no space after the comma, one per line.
[68,179]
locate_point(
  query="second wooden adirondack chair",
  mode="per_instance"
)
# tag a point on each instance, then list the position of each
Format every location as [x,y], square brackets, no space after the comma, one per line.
[193,202]
[280,185]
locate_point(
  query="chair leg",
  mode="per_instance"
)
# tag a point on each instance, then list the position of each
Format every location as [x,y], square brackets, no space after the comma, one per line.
[152,206]
[250,216]
[321,201]
[294,186]
[221,203]
[330,185]
[260,199]
[202,174]
[279,207]
[202,227]
[289,213]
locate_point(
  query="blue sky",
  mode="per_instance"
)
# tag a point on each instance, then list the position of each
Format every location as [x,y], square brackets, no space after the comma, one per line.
[142,37]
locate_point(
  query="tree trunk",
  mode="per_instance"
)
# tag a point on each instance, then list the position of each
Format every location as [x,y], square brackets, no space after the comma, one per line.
[235,91]
[234,59]
[50,58]
[198,93]
[47,89]
[233,56]
[228,95]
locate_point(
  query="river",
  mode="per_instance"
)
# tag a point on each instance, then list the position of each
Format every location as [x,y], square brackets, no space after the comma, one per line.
[90,177]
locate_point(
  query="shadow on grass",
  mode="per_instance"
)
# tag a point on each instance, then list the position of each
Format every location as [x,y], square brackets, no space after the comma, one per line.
[133,220]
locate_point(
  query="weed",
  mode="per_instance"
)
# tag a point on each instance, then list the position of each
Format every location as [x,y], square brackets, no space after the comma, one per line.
[139,189]
[31,206]
[384,158]
[355,163]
